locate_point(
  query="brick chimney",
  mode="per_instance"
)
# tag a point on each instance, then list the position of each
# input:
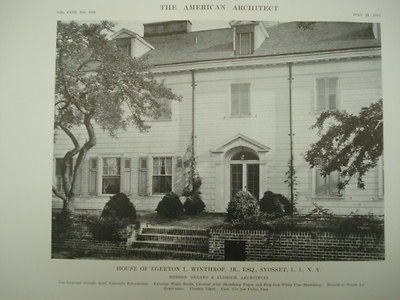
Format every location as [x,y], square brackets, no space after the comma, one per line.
[167,27]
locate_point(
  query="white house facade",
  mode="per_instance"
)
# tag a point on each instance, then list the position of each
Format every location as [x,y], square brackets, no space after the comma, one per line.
[250,93]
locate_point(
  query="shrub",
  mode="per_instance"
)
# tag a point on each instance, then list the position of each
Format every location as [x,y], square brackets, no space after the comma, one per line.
[243,209]
[194,205]
[275,204]
[170,206]
[106,228]
[120,207]
[355,222]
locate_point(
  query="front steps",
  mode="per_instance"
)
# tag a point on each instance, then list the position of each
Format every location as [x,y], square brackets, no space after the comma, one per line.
[171,243]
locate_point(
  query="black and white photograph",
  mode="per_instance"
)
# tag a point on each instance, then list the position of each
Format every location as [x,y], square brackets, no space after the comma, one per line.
[221,140]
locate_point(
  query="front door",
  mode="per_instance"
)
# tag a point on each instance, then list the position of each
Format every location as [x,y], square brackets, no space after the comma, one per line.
[245,177]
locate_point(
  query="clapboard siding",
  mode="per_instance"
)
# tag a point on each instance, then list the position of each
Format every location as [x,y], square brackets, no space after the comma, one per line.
[359,84]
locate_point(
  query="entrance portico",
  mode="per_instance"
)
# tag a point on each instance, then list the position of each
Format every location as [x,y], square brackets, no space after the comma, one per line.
[240,164]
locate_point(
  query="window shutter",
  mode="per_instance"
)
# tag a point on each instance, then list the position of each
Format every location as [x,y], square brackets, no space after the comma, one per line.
[179,176]
[126,175]
[332,100]
[93,173]
[321,94]
[78,180]
[234,100]
[245,99]
[143,176]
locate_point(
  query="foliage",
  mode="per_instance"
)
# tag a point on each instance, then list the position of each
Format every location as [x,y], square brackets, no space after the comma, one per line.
[243,209]
[119,206]
[292,180]
[193,205]
[275,204]
[361,223]
[319,212]
[98,83]
[351,145]
[170,206]
[106,228]
[306,25]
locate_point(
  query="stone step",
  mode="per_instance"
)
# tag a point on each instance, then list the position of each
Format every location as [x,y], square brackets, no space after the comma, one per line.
[192,239]
[174,231]
[168,254]
[203,248]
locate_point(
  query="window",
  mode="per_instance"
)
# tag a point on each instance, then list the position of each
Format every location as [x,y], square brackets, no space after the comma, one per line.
[162,175]
[124,44]
[327,186]
[326,93]
[111,178]
[58,181]
[240,99]
[244,43]
[143,185]
[58,174]
[92,185]
[165,109]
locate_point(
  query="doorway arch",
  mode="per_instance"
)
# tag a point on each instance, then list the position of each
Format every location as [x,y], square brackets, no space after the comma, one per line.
[244,171]
[222,159]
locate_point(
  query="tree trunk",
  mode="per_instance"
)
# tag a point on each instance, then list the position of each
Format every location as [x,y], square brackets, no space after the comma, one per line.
[69,206]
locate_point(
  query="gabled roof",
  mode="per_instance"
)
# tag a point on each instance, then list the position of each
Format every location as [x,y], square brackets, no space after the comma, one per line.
[284,38]
[240,140]
[123,33]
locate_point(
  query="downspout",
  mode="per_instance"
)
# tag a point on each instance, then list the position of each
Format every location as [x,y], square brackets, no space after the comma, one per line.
[290,78]
[193,129]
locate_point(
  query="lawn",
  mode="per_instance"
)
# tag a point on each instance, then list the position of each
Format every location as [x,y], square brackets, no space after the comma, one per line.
[201,221]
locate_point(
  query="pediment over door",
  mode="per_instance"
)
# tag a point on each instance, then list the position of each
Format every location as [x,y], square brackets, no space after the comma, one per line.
[240,140]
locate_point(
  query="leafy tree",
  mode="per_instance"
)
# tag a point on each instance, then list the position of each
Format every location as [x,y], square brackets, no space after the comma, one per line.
[98,85]
[351,144]
[306,25]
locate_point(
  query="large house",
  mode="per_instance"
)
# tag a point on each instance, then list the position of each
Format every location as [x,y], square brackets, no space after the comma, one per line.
[250,93]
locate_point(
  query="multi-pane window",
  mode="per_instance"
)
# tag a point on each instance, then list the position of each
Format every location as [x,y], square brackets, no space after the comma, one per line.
[111,178]
[328,185]
[143,188]
[162,175]
[240,99]
[327,93]
[244,43]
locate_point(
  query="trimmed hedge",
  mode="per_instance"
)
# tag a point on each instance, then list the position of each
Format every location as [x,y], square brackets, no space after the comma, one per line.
[170,206]
[275,204]
[119,206]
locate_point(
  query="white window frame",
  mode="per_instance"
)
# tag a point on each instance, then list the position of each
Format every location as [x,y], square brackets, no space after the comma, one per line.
[314,186]
[99,159]
[238,37]
[240,114]
[151,172]
[338,100]
[100,172]
[148,176]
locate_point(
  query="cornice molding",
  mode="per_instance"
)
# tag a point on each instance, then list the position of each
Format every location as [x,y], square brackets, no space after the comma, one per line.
[269,60]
